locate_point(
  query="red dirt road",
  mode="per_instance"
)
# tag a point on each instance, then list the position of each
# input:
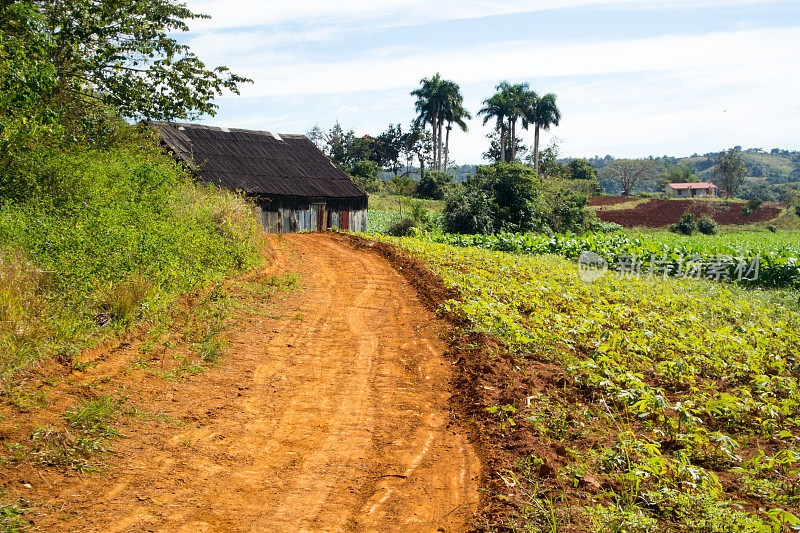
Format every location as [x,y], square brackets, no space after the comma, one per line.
[328,413]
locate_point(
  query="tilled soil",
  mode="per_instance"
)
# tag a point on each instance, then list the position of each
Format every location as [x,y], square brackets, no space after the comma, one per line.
[329,413]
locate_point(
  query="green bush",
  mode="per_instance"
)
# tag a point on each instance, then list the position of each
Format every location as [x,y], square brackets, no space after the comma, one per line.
[499,197]
[754,203]
[797,210]
[707,225]
[435,185]
[402,228]
[468,213]
[686,225]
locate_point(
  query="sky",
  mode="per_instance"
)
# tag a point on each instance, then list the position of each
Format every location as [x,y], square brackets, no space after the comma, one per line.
[632,77]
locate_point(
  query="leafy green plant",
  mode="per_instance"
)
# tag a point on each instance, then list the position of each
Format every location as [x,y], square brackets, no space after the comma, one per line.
[686,225]
[706,225]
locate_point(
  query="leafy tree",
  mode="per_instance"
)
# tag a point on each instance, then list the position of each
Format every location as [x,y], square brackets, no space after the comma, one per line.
[496,151]
[513,191]
[677,173]
[120,54]
[365,174]
[706,225]
[434,185]
[417,143]
[731,170]
[497,108]
[390,145]
[580,169]
[630,172]
[507,106]
[685,226]
[469,213]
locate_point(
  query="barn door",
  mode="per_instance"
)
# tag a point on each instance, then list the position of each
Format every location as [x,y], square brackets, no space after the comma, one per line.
[344,220]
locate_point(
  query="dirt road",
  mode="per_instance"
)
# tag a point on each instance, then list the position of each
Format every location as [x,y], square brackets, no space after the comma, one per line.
[329,414]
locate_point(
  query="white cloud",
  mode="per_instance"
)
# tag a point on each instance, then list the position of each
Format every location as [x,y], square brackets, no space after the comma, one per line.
[248,13]
[769,52]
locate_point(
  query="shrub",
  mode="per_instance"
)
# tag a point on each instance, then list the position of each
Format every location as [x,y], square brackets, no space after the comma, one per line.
[468,213]
[434,185]
[797,210]
[754,203]
[402,228]
[565,211]
[772,228]
[707,225]
[686,225]
[500,197]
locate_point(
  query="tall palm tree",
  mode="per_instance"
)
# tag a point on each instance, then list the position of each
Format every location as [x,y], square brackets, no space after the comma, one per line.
[428,106]
[438,102]
[495,107]
[505,107]
[454,114]
[542,115]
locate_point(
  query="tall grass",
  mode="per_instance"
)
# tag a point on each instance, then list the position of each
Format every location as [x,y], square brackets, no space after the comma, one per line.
[24,308]
[100,237]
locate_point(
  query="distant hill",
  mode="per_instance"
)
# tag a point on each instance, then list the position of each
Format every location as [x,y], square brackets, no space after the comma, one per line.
[764,170]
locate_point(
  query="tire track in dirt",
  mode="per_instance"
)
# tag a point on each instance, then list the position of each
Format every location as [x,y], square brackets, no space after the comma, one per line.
[333,417]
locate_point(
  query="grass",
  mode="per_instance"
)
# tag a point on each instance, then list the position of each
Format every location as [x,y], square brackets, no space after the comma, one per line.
[398,204]
[108,238]
[11,516]
[651,405]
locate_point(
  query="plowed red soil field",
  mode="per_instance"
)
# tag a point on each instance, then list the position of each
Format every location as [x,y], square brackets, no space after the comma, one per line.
[658,213]
[330,411]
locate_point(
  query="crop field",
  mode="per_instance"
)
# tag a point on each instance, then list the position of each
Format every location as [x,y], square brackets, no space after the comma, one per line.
[771,260]
[657,213]
[631,403]
[380,221]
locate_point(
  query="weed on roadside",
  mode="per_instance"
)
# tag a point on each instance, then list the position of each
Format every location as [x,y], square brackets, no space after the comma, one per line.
[11,516]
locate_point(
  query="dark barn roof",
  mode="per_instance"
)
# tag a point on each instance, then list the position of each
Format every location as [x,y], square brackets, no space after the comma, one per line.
[258,163]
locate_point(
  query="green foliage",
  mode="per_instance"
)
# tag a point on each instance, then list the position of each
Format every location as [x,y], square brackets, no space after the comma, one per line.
[564,210]
[118,55]
[797,210]
[581,169]
[468,213]
[402,228]
[104,236]
[435,185]
[754,203]
[11,516]
[365,174]
[731,170]
[778,259]
[690,376]
[706,225]
[685,226]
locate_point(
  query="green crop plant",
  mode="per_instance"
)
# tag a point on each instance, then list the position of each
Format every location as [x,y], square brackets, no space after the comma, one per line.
[692,374]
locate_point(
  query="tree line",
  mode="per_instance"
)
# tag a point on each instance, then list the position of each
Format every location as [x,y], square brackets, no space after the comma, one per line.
[439,107]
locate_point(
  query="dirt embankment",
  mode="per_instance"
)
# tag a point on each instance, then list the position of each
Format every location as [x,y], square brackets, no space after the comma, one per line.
[331,410]
[657,213]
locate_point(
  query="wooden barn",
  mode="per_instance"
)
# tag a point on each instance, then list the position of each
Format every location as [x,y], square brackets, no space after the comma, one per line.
[293,184]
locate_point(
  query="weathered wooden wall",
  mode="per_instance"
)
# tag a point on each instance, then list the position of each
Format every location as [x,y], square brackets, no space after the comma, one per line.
[315,217]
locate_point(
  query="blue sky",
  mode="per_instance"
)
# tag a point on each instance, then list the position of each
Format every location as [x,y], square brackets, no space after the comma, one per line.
[633,77]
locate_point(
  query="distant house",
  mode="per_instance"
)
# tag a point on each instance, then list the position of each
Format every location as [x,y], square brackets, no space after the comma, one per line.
[692,190]
[293,184]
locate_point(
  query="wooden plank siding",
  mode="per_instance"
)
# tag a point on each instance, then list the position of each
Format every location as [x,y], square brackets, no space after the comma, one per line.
[315,217]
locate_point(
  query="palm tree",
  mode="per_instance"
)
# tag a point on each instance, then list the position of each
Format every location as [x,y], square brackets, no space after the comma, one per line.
[428,105]
[496,107]
[454,112]
[438,102]
[543,114]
